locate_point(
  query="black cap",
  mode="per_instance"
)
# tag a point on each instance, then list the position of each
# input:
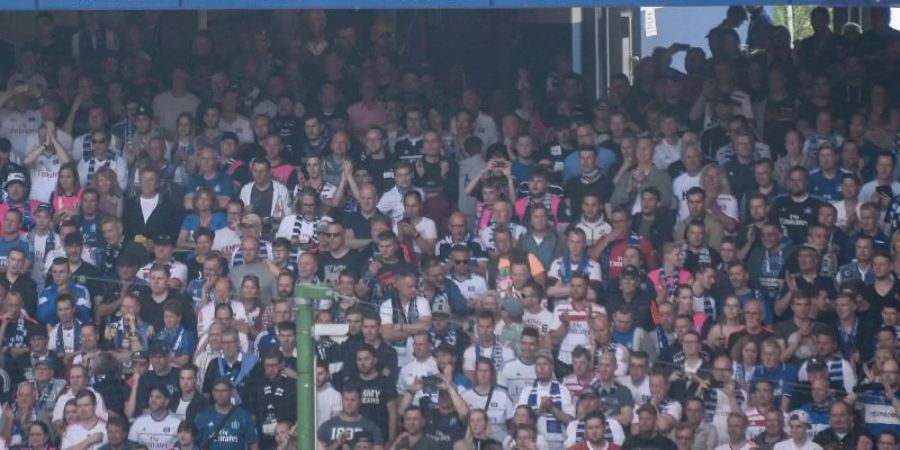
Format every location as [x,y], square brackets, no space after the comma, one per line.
[144,110]
[159,347]
[42,361]
[163,239]
[140,355]
[45,207]
[631,271]
[5,145]
[38,331]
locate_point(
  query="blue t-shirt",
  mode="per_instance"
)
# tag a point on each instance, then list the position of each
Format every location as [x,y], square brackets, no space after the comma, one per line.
[181,341]
[236,433]
[192,222]
[221,184]
[6,246]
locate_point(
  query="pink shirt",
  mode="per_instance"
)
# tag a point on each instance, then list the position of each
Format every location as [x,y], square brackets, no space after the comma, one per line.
[66,201]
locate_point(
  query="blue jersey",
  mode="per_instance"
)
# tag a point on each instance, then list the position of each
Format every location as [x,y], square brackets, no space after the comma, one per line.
[237,432]
[192,222]
[827,189]
[878,412]
[46,308]
[181,341]
[91,231]
[783,376]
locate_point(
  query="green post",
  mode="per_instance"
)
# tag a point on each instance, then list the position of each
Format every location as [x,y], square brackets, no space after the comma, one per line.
[304,294]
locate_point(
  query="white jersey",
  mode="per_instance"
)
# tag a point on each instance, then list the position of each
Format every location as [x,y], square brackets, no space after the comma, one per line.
[517,376]
[499,411]
[77,432]
[640,392]
[44,174]
[16,126]
[747,445]
[680,186]
[594,231]
[579,332]
[473,287]
[414,370]
[155,434]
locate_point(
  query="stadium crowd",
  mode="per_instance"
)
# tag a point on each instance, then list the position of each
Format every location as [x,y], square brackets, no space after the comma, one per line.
[700,259]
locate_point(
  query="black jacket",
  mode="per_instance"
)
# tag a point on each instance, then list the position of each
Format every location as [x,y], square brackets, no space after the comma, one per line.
[165,219]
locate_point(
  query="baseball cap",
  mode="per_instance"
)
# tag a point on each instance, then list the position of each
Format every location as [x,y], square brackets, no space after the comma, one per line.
[513,306]
[140,356]
[441,307]
[800,415]
[159,347]
[15,177]
[163,239]
[816,365]
[143,110]
[251,219]
[631,271]
[43,207]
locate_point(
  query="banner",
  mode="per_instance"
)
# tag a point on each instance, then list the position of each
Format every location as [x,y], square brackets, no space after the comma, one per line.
[333,4]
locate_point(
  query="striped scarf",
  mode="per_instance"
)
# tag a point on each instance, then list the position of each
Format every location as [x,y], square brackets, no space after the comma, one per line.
[92,163]
[553,425]
[579,431]
[496,354]
[836,371]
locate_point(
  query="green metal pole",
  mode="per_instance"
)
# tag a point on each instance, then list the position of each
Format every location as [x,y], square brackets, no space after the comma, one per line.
[306,369]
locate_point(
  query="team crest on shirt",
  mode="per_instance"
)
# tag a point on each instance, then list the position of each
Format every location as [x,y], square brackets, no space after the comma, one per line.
[235,424]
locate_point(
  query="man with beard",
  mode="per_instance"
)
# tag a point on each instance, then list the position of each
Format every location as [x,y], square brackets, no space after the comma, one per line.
[379,393]
[797,211]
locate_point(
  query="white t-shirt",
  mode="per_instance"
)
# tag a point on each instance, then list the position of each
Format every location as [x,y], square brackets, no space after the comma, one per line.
[68,339]
[207,315]
[328,404]
[76,433]
[615,429]
[240,126]
[155,434]
[421,307]
[542,320]
[226,241]
[148,205]
[790,445]
[44,174]
[671,408]
[499,411]
[413,370]
[579,332]
[516,376]
[666,153]
[680,186]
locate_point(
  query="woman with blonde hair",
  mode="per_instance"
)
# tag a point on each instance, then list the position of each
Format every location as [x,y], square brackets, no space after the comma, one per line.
[106,183]
[719,202]
[478,432]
